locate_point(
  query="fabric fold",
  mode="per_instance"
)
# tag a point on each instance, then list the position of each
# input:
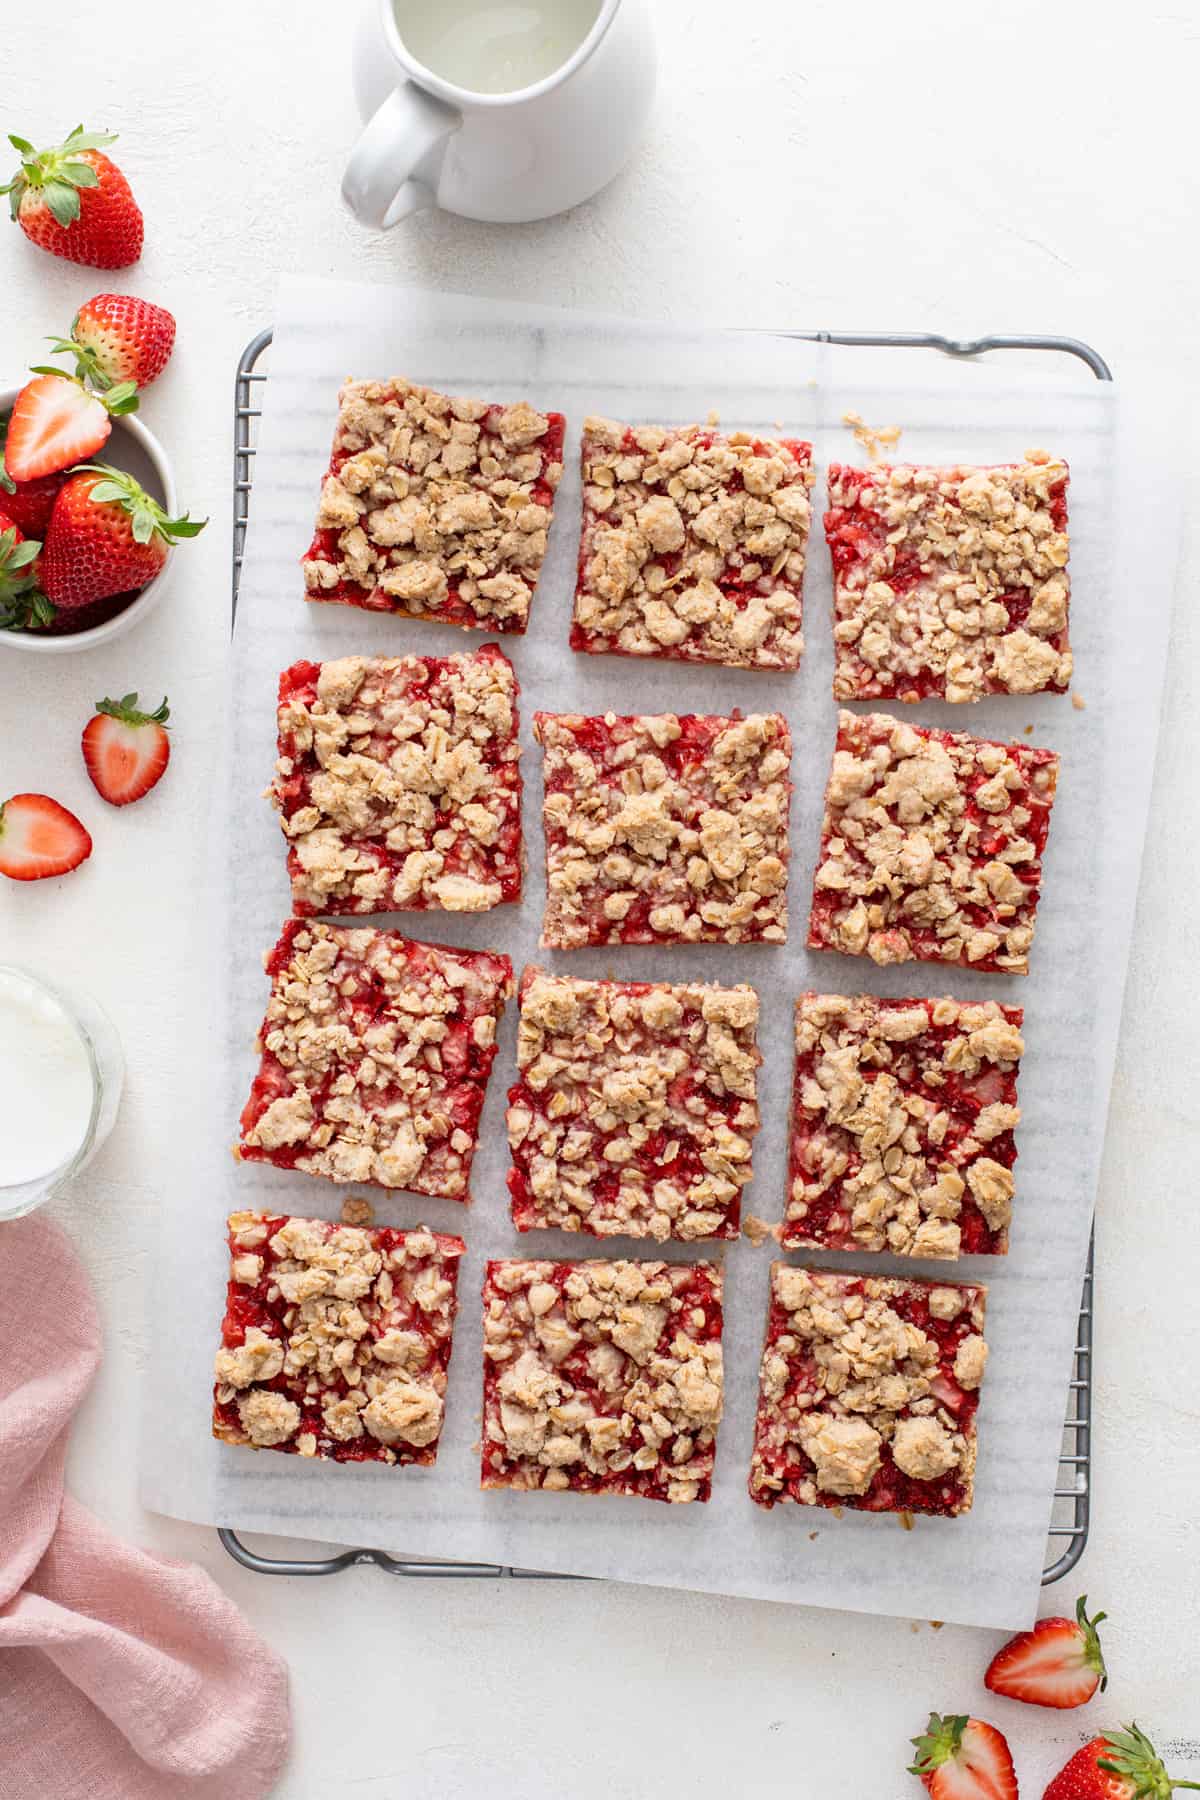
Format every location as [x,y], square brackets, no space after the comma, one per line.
[141,1680]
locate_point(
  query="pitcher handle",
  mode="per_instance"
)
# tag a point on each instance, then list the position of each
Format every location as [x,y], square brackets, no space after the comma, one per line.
[380,185]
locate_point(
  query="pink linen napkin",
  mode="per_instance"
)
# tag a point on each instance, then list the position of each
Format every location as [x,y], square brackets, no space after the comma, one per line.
[123,1675]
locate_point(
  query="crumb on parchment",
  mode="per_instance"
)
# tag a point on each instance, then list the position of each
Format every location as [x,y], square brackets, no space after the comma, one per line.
[357,1210]
[1078,702]
[874,442]
[758,1231]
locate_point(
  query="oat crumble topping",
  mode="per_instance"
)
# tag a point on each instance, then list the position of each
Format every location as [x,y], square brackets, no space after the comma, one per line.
[636,1109]
[950,581]
[376,1051]
[336,1340]
[903,1114]
[875,441]
[435,506]
[669,828]
[868,1393]
[693,545]
[602,1377]
[398,783]
[931,846]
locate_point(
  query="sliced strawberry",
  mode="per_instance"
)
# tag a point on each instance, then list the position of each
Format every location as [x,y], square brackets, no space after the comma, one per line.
[27,503]
[116,338]
[23,606]
[38,837]
[1058,1663]
[1119,1765]
[126,751]
[56,422]
[959,1758]
[107,536]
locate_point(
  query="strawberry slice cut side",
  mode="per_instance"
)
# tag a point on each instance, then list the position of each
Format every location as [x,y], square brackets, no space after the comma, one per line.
[960,1758]
[1059,1663]
[125,750]
[40,838]
[55,422]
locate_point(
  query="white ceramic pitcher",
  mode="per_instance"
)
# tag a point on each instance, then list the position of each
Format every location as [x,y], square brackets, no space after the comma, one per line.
[503,157]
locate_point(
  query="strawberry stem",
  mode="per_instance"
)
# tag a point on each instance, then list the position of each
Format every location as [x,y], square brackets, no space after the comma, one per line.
[116,488]
[939,1743]
[126,710]
[117,401]
[23,606]
[1093,1655]
[1133,1757]
[58,173]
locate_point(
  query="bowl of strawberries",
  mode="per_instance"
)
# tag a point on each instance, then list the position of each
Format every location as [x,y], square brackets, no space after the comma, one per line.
[88,510]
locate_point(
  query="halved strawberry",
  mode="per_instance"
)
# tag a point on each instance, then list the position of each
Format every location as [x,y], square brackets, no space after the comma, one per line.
[117,337]
[23,606]
[55,422]
[27,503]
[38,837]
[1058,1663]
[1118,1765]
[107,536]
[960,1758]
[126,751]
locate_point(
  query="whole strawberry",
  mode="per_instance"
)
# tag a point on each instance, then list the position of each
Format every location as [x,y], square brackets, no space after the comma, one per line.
[1120,1765]
[107,536]
[117,338]
[959,1758]
[28,504]
[23,606]
[74,202]
[1058,1663]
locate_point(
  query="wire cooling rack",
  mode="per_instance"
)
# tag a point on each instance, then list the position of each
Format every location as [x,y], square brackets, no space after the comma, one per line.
[1070,1518]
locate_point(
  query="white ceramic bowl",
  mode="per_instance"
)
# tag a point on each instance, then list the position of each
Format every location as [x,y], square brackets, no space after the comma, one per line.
[136,449]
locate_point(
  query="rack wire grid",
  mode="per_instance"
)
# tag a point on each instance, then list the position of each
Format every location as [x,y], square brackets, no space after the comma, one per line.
[1070,1518]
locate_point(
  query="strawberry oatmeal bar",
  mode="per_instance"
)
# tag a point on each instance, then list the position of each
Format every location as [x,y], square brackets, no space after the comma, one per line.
[868,1393]
[949,581]
[666,829]
[636,1107]
[931,846]
[336,1340]
[903,1114]
[398,783]
[376,1052]
[693,545]
[602,1377]
[435,507]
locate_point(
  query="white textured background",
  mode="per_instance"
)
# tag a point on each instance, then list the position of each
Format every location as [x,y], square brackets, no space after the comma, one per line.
[931,166]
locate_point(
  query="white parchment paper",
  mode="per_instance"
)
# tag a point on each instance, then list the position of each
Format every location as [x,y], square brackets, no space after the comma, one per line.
[983,1569]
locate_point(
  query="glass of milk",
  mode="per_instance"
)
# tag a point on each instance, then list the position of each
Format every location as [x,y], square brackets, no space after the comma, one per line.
[61,1070]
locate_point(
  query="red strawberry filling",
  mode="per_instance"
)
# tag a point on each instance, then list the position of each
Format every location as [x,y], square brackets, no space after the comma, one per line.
[449,520]
[854,1413]
[353,1381]
[935,569]
[376,1052]
[602,1377]
[928,858]
[868,1163]
[411,767]
[672,530]
[665,829]
[635,1110]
